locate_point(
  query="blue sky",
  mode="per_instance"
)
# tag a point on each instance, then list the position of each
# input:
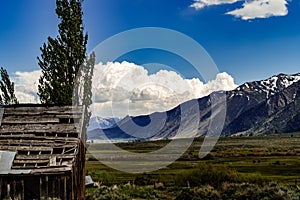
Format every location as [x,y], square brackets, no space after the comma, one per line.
[249,48]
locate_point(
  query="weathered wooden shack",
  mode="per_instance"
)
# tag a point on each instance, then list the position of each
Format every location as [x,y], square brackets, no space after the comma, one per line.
[42,152]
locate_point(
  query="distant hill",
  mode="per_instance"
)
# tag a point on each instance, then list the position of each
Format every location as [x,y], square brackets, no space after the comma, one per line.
[259,107]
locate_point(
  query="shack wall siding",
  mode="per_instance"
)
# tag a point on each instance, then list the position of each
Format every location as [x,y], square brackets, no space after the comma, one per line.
[39,187]
[50,142]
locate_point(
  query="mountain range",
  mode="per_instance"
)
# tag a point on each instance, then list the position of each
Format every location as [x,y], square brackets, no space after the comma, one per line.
[258,107]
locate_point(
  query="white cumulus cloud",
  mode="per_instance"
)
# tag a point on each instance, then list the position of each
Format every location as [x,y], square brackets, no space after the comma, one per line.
[127,89]
[261,9]
[199,4]
[251,9]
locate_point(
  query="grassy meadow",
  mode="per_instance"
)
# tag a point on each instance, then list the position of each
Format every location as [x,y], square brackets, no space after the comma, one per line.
[254,167]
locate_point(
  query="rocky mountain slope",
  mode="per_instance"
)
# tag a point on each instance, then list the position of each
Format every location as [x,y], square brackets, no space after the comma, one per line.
[258,107]
[264,98]
[282,113]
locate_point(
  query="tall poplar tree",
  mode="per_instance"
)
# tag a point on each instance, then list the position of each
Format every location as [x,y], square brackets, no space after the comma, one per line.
[85,90]
[62,58]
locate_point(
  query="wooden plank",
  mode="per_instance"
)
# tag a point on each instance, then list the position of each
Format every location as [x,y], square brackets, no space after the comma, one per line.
[65,188]
[41,133]
[31,161]
[38,128]
[8,190]
[24,118]
[14,194]
[23,189]
[0,187]
[34,119]
[58,187]
[52,170]
[40,107]
[27,142]
[16,136]
[25,148]
[41,188]
[47,192]
[74,116]
[52,161]
[32,137]
[49,114]
[42,120]
[41,111]
[51,127]
[36,138]
[44,157]
[43,149]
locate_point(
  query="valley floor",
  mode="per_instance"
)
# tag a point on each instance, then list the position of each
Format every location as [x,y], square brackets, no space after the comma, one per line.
[253,167]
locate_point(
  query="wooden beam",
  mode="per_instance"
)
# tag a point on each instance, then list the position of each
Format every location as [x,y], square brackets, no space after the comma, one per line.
[65,188]
[1,187]
[38,128]
[47,192]
[44,156]
[23,189]
[31,161]
[35,147]
[33,137]
[25,148]
[41,187]
[43,109]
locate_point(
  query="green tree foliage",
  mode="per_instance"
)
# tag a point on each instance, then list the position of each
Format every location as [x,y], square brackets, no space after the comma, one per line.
[62,58]
[85,87]
[7,89]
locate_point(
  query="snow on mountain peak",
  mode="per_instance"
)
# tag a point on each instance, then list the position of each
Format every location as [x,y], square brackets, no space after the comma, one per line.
[97,122]
[271,85]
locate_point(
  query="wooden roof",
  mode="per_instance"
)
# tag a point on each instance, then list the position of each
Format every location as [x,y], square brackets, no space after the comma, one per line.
[45,139]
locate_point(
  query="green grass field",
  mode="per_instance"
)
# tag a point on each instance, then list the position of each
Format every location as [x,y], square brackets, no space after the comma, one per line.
[256,160]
